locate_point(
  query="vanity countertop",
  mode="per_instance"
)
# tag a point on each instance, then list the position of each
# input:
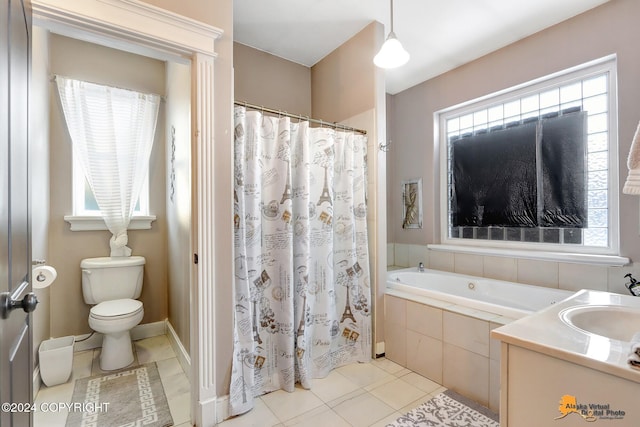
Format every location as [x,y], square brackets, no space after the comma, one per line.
[545,332]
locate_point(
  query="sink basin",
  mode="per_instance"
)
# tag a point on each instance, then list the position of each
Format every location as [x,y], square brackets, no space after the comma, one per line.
[614,322]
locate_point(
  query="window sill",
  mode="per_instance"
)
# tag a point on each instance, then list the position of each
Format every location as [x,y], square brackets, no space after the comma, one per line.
[593,259]
[92,223]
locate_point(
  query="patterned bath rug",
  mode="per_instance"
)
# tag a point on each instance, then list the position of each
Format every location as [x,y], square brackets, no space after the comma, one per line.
[129,397]
[448,409]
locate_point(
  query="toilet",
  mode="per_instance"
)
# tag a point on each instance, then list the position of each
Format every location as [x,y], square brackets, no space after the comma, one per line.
[112,286]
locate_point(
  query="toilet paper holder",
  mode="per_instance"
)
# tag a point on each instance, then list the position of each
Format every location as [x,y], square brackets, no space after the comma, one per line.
[43,275]
[40,277]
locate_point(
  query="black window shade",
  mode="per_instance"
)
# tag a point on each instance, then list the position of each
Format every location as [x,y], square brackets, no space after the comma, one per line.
[525,174]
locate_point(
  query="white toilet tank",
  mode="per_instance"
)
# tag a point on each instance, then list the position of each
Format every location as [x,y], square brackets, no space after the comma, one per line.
[107,278]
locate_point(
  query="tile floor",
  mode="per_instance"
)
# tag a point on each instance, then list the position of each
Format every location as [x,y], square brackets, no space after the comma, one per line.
[369,394]
[359,395]
[87,363]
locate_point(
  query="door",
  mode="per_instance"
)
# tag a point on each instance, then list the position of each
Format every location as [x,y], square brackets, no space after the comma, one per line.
[16,299]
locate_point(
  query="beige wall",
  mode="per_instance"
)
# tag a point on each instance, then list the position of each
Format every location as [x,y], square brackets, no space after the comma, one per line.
[178,173]
[343,83]
[219,13]
[267,80]
[98,64]
[608,29]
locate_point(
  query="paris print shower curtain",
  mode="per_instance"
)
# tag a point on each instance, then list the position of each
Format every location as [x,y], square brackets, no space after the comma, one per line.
[302,285]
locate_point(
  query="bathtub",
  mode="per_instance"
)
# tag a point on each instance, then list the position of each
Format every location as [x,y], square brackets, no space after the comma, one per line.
[507,299]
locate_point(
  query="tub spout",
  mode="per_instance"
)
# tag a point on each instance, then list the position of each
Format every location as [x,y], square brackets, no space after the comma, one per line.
[421,267]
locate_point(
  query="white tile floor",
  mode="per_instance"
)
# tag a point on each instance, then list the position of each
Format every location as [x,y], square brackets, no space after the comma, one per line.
[360,395]
[87,363]
[372,394]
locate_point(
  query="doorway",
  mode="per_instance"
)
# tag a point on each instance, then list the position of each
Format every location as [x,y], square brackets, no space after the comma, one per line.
[143,29]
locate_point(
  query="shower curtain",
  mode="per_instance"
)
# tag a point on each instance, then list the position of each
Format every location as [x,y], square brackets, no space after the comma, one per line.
[302,284]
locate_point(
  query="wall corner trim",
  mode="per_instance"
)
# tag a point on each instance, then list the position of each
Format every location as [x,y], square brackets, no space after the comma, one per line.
[131,25]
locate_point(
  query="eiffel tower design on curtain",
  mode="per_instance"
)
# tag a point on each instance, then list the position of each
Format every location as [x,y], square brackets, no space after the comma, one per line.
[302,318]
[256,335]
[286,194]
[325,196]
[347,309]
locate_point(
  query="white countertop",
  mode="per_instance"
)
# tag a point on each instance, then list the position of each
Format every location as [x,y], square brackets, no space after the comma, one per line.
[545,332]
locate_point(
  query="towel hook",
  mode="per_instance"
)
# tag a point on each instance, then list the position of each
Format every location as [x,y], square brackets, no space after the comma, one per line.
[384,147]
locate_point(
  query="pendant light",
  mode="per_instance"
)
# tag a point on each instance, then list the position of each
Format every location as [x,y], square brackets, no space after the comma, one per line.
[391,54]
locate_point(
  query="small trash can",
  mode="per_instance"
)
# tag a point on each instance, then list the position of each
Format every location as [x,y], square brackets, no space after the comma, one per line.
[56,360]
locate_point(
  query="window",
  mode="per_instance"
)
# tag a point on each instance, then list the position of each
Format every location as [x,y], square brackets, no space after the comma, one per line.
[112,132]
[533,167]
[84,202]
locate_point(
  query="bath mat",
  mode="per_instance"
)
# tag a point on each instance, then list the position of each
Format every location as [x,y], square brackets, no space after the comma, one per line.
[129,397]
[448,409]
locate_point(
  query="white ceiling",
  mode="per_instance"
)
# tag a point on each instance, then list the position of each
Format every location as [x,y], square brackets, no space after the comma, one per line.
[439,34]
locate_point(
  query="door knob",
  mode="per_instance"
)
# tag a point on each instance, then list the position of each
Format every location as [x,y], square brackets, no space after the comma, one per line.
[28,303]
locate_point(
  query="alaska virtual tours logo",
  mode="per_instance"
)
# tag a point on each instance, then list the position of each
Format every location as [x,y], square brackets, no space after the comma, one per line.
[590,412]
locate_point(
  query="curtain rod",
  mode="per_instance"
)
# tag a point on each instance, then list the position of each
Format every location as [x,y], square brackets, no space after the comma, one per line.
[299,116]
[54,78]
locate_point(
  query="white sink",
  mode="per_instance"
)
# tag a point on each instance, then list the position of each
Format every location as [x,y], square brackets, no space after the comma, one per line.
[614,322]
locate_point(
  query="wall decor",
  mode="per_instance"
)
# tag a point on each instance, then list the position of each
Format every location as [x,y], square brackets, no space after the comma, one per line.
[172,174]
[412,203]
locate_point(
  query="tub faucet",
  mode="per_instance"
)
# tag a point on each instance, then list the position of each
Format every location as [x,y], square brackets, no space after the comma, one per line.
[633,285]
[421,269]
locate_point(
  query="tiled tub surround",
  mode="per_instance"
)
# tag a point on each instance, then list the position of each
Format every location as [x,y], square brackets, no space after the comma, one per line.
[495,296]
[448,341]
[562,275]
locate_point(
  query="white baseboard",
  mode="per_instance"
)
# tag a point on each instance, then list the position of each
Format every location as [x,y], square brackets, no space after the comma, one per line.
[207,413]
[139,332]
[36,381]
[222,411]
[149,330]
[181,353]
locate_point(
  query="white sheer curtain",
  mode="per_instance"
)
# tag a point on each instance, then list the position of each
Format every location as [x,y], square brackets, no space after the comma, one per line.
[302,285]
[112,132]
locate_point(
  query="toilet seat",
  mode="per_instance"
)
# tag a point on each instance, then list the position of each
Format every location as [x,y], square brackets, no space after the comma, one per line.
[116,309]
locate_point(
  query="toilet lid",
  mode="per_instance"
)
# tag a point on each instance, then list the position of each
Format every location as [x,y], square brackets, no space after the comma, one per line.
[116,308]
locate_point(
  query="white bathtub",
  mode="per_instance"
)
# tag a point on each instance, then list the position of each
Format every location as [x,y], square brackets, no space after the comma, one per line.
[508,299]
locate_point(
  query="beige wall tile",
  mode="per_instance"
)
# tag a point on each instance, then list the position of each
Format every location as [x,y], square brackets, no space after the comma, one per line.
[418,254]
[401,255]
[494,344]
[395,310]
[494,385]
[500,268]
[424,356]
[441,261]
[469,264]
[466,372]
[574,277]
[424,319]
[540,273]
[466,332]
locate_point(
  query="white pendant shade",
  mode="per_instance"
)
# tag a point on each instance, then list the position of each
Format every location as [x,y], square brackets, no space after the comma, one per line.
[391,54]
